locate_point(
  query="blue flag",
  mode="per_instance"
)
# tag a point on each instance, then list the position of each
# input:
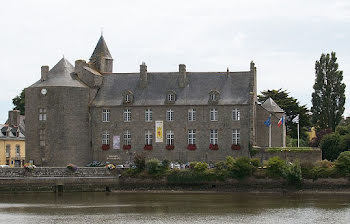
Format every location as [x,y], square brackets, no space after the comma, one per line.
[268,122]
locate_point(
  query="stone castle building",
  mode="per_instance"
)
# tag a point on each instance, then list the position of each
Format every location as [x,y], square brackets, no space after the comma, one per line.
[84,113]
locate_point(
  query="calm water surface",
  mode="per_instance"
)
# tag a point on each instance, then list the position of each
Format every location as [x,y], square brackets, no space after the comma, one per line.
[173,208]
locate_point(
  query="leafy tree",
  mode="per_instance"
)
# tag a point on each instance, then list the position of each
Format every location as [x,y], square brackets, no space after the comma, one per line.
[292,108]
[18,101]
[328,98]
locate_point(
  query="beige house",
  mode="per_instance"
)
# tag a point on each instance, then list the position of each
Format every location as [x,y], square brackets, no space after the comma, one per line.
[12,140]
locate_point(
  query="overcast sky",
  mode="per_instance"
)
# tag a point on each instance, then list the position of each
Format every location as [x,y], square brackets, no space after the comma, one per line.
[284,38]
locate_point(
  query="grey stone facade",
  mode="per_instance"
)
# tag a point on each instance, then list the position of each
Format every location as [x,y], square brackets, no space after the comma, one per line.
[74,100]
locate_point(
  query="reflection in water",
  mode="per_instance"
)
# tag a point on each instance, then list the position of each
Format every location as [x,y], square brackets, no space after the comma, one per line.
[173,208]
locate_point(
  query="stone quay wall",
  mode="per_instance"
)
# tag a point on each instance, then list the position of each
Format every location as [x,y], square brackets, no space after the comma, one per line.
[310,156]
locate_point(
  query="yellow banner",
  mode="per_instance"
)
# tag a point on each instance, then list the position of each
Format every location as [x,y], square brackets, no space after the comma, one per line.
[159,131]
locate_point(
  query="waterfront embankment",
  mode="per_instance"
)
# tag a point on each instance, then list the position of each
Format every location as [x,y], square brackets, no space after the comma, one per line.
[92,179]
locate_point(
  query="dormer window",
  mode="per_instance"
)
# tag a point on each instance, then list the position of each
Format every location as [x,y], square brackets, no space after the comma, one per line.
[214,96]
[170,97]
[128,97]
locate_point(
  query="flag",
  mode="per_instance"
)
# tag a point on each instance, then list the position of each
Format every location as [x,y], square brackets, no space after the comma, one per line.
[296,119]
[268,122]
[280,122]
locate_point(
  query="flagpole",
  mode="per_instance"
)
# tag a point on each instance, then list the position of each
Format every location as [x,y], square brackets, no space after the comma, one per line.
[284,131]
[298,134]
[270,133]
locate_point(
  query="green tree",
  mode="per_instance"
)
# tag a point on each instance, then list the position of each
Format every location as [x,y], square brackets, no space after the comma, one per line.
[292,108]
[18,101]
[328,98]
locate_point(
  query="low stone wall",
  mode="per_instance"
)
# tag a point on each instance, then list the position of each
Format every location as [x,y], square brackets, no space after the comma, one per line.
[58,179]
[58,172]
[312,156]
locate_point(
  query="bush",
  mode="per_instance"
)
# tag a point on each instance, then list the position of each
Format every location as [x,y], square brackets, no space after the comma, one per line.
[306,170]
[140,161]
[165,164]
[153,166]
[200,166]
[293,174]
[255,162]
[330,145]
[342,164]
[229,162]
[276,167]
[242,167]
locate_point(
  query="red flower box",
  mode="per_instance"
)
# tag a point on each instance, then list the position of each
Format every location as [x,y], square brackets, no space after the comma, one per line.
[148,147]
[170,147]
[105,147]
[126,147]
[191,147]
[214,147]
[235,147]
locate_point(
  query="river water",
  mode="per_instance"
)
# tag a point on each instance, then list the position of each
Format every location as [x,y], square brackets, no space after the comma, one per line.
[174,207]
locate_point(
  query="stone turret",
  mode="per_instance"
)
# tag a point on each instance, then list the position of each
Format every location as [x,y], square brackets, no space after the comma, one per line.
[101,60]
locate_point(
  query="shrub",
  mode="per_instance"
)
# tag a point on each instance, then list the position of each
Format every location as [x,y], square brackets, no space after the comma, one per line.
[342,164]
[140,161]
[200,166]
[255,162]
[330,145]
[242,167]
[306,170]
[166,164]
[153,166]
[292,174]
[220,165]
[229,162]
[276,167]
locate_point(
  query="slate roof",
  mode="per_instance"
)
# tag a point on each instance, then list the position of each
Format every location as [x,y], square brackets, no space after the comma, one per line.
[10,132]
[60,75]
[101,50]
[233,88]
[271,106]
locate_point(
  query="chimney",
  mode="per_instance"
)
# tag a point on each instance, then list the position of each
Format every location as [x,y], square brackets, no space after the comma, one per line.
[143,75]
[182,76]
[14,117]
[44,72]
[252,66]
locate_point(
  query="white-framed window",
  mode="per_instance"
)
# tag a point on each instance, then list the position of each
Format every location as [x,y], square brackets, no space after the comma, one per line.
[42,114]
[148,137]
[170,137]
[148,115]
[236,136]
[191,136]
[127,115]
[8,150]
[213,114]
[105,138]
[18,150]
[170,115]
[42,137]
[191,114]
[127,98]
[214,136]
[127,137]
[213,96]
[106,115]
[236,114]
[171,97]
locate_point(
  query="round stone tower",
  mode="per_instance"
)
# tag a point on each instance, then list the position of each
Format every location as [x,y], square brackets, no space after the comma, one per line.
[57,118]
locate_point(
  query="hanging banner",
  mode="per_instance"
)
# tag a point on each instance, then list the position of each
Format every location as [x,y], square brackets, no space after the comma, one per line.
[116,142]
[159,131]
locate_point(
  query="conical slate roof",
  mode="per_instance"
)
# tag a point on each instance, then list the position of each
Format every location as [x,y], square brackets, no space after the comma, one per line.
[60,75]
[101,50]
[271,106]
